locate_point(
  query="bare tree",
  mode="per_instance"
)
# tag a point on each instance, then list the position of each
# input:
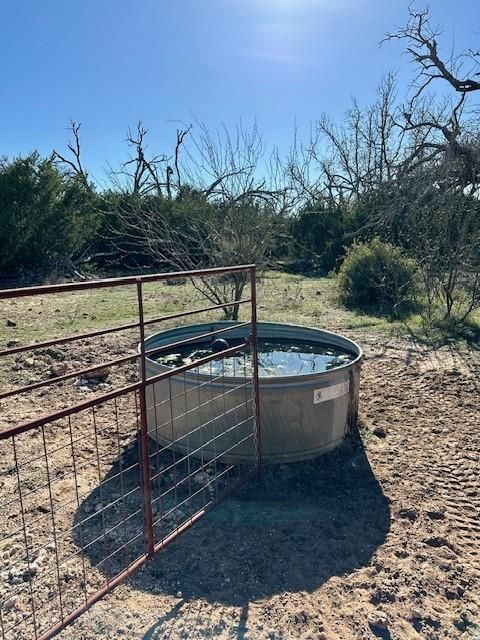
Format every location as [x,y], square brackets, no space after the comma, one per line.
[444,131]
[232,166]
[74,166]
[200,235]
[459,70]
[442,169]
[217,206]
[349,161]
[390,139]
[149,174]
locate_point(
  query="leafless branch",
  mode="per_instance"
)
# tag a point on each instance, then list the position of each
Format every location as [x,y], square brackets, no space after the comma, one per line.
[423,48]
[74,166]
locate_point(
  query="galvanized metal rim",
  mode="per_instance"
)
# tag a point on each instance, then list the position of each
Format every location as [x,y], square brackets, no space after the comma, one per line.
[191,377]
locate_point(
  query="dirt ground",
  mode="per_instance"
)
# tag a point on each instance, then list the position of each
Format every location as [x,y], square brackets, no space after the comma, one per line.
[380,538]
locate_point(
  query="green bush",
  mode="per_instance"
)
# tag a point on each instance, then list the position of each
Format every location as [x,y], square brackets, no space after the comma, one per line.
[317,233]
[377,275]
[46,218]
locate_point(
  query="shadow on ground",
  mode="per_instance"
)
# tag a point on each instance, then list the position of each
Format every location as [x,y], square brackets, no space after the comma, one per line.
[289,530]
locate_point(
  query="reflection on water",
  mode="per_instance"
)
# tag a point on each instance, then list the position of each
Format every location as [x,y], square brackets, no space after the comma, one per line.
[285,358]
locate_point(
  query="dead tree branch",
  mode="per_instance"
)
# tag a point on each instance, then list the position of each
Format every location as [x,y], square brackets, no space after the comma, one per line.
[423,48]
[75,166]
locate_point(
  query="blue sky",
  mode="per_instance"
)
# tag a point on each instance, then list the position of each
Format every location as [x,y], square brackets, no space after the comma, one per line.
[108,63]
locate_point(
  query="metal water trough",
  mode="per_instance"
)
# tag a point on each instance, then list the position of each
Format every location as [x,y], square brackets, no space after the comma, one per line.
[301,416]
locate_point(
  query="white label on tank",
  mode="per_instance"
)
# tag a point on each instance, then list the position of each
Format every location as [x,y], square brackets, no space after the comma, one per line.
[329,393]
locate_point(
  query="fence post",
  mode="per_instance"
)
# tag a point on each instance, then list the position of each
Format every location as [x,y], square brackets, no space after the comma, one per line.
[256,385]
[143,431]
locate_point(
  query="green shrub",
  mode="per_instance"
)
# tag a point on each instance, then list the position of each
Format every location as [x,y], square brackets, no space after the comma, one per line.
[377,275]
[317,233]
[46,218]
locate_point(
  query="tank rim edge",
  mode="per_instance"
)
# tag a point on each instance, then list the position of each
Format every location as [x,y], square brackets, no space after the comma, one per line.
[270,380]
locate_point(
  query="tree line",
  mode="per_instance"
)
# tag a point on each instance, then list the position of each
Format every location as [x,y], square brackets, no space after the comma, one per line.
[403,170]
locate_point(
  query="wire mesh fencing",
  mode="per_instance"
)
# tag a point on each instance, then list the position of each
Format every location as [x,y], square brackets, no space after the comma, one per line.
[91,490]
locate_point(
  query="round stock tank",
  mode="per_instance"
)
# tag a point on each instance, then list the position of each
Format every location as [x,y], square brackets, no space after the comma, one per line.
[301,415]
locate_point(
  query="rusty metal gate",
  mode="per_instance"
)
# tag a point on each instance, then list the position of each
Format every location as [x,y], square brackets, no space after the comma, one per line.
[86,496]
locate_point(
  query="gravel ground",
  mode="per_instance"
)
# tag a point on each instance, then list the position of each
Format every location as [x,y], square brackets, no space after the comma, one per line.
[380,538]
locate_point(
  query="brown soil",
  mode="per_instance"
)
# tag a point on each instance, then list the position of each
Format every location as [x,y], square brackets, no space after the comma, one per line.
[380,538]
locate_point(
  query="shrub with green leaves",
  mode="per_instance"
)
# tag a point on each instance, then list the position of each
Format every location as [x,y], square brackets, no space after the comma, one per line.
[318,235]
[46,217]
[377,275]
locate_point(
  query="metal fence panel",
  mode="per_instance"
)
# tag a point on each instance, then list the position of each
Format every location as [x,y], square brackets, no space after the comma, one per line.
[90,492]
